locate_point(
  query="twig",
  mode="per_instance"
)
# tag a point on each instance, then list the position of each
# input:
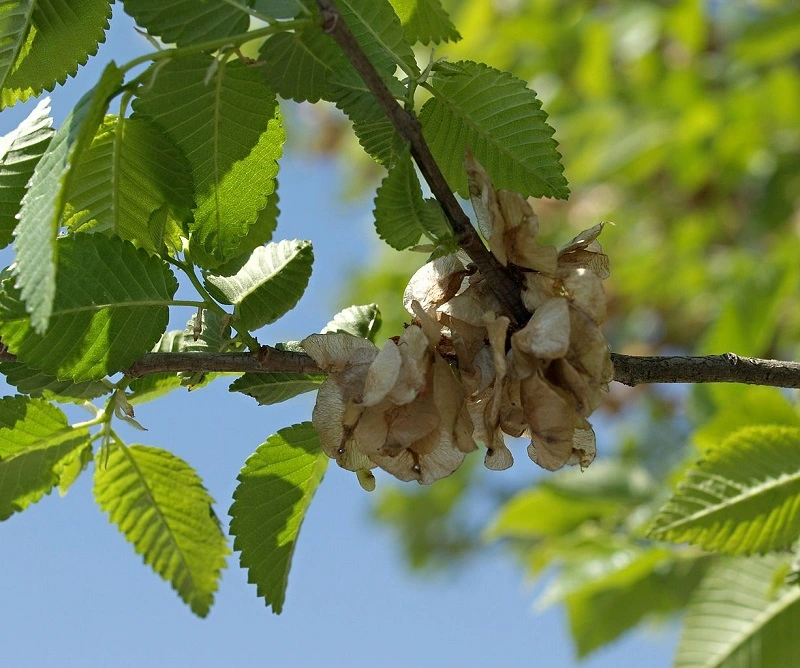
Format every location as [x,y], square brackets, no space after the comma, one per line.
[727,368]
[628,369]
[502,283]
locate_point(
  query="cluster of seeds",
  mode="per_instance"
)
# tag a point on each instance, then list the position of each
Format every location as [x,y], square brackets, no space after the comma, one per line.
[459,374]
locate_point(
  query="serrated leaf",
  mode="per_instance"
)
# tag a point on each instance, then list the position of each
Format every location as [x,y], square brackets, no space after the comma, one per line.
[401,215]
[279,9]
[42,42]
[507,131]
[425,21]
[34,439]
[159,503]
[273,388]
[743,497]
[185,22]
[361,321]
[20,150]
[275,489]
[70,467]
[35,383]
[229,127]
[297,65]
[110,308]
[269,284]
[130,171]
[43,205]
[736,618]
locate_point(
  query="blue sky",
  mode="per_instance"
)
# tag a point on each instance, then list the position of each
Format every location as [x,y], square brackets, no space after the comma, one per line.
[73,592]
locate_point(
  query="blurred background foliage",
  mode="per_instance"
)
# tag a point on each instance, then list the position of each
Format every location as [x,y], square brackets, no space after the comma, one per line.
[679,121]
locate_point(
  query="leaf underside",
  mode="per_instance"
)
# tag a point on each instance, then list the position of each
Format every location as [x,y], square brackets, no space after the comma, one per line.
[185,22]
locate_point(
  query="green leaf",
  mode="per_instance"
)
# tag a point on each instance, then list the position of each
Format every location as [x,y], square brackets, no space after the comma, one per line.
[20,150]
[110,308]
[273,388]
[541,512]
[43,205]
[425,21]
[226,121]
[742,497]
[610,479]
[268,285]
[130,171]
[361,321]
[507,131]
[70,467]
[607,597]
[297,65]
[35,383]
[736,618]
[185,22]
[279,9]
[275,489]
[42,42]
[213,335]
[401,215]
[159,503]
[35,439]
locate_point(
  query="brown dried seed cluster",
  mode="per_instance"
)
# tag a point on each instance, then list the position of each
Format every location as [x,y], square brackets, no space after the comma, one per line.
[405,409]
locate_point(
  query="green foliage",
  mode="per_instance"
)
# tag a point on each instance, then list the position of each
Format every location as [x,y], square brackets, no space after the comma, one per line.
[269,284]
[275,489]
[402,216]
[273,388]
[361,321]
[129,172]
[737,618]
[185,22]
[110,307]
[20,150]
[461,115]
[42,42]
[45,201]
[35,441]
[160,505]
[741,498]
[425,21]
[34,383]
[226,121]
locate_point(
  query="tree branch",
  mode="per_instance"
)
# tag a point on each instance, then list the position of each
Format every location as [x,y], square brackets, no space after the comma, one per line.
[727,368]
[408,127]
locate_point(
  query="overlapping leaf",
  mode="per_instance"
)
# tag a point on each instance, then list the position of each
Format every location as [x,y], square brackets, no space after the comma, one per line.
[43,205]
[269,284]
[226,121]
[743,497]
[20,150]
[35,439]
[130,170]
[110,307]
[185,22]
[506,130]
[275,489]
[29,380]
[159,503]
[273,388]
[155,385]
[362,321]
[737,618]
[425,21]
[401,214]
[42,42]
[206,332]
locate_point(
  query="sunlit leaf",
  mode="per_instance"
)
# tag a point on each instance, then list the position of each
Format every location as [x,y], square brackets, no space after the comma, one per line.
[29,380]
[42,42]
[425,21]
[273,388]
[35,439]
[275,489]
[743,497]
[160,505]
[20,150]
[43,206]
[362,321]
[110,307]
[185,22]
[737,618]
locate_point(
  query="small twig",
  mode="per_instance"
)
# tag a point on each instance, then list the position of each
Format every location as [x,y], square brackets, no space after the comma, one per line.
[727,368]
[502,283]
[267,360]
